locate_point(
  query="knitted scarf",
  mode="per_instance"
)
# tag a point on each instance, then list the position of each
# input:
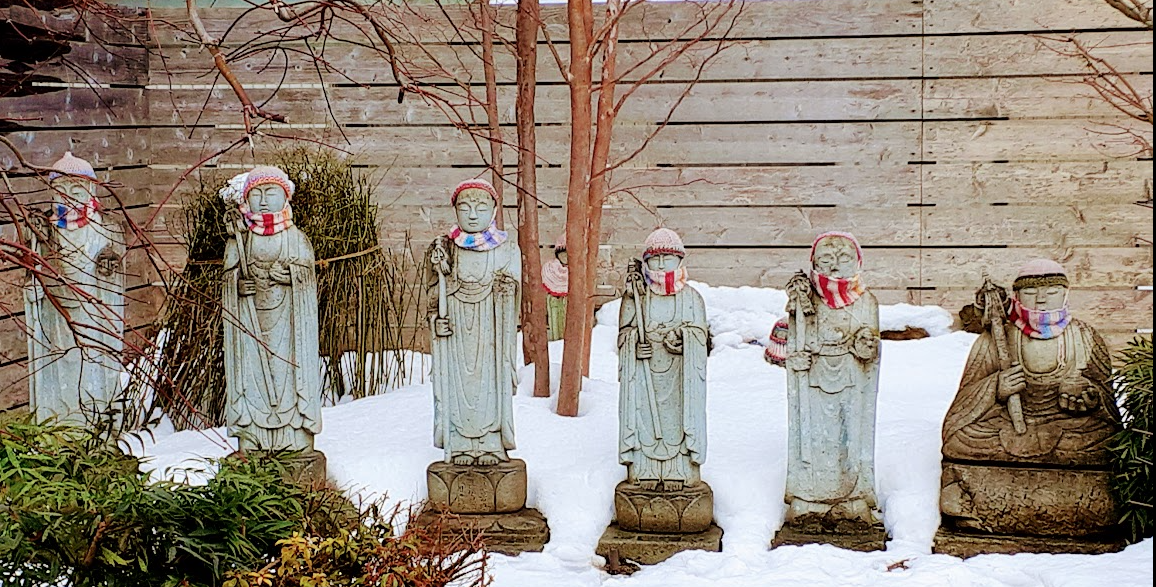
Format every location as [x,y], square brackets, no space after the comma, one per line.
[267,224]
[838,292]
[556,278]
[72,218]
[1042,324]
[665,283]
[488,239]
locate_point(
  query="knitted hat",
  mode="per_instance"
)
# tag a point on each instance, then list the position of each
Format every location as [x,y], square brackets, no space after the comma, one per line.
[663,241]
[1040,273]
[776,352]
[846,235]
[474,184]
[266,174]
[71,165]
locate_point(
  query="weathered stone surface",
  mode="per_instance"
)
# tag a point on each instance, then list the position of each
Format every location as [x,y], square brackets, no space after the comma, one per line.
[968,544]
[676,512]
[477,489]
[1026,500]
[309,469]
[512,533]
[841,532]
[649,548]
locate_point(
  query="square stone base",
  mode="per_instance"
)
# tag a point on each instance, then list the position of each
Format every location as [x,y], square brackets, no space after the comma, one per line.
[478,489]
[307,469]
[510,533]
[852,536]
[968,544]
[650,549]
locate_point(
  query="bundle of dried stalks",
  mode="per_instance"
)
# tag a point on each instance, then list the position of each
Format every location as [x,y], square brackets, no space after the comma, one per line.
[364,293]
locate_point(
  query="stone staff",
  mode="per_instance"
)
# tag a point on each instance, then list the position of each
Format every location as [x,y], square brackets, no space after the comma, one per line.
[992,298]
[636,281]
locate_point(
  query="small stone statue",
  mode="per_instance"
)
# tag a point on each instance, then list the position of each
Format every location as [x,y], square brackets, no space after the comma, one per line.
[556,280]
[77,323]
[832,362]
[662,350]
[1025,443]
[272,367]
[474,274]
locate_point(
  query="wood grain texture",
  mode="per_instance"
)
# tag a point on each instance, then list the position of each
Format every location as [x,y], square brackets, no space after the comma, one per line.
[949,16]
[1094,182]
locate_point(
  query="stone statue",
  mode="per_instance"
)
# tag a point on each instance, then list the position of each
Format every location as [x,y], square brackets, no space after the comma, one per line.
[555,278]
[1025,443]
[272,367]
[662,357]
[474,275]
[832,362]
[77,324]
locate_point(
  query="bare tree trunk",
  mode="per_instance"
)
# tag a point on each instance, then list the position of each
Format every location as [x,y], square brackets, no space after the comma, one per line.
[486,17]
[534,344]
[580,78]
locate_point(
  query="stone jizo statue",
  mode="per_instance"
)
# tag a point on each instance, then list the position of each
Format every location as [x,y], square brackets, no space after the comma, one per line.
[555,278]
[272,366]
[76,323]
[1025,443]
[832,362]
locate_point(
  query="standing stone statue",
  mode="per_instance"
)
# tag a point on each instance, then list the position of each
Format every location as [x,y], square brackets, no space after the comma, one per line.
[474,274]
[269,297]
[77,323]
[1025,443]
[663,506]
[556,280]
[832,362]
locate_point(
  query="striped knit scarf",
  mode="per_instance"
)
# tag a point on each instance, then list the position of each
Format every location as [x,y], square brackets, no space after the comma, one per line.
[267,224]
[488,239]
[666,283]
[71,218]
[838,292]
[556,278]
[1042,324]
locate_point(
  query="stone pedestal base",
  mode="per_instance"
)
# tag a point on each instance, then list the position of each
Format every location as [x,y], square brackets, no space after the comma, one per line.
[817,529]
[653,548]
[512,533]
[687,511]
[477,489]
[306,469]
[968,544]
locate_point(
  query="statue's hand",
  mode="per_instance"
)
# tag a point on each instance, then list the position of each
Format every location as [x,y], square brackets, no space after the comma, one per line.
[504,283]
[246,287]
[644,350]
[1010,382]
[442,327]
[799,361]
[1079,404]
[865,347]
[673,342]
[107,262]
[281,274]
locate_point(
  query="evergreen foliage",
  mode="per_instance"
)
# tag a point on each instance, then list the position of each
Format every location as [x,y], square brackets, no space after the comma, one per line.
[1132,447]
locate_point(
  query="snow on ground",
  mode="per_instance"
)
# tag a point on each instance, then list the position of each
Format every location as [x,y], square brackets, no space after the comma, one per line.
[381,446]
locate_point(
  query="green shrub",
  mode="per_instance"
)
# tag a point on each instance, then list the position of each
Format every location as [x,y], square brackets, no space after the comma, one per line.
[1132,447]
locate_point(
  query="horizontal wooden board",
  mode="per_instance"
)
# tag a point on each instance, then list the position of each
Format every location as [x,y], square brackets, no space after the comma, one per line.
[704,102]
[1107,309]
[1030,140]
[1098,182]
[97,63]
[73,107]
[1020,55]
[1020,97]
[950,16]
[1087,267]
[101,148]
[13,387]
[1075,225]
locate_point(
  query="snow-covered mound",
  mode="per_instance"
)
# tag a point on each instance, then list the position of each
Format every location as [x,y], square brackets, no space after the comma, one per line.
[382,445]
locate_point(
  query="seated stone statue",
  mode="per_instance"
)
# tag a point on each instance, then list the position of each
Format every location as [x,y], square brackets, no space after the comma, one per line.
[555,279]
[1025,443]
[269,296]
[75,309]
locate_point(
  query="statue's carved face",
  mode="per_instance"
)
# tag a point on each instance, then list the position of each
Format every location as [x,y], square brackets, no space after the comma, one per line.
[664,262]
[563,257]
[72,191]
[475,210]
[1052,297]
[835,256]
[266,198]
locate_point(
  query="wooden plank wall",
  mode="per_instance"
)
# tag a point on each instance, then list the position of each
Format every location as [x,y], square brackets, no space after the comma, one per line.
[946,135]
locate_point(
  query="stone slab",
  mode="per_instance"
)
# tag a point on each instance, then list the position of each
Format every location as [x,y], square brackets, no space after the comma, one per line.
[478,489]
[851,536]
[1026,501]
[510,533]
[967,544]
[688,511]
[651,548]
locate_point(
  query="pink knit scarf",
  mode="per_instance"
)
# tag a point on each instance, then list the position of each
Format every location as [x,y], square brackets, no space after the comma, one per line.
[1041,324]
[556,278]
[267,224]
[838,292]
[666,283]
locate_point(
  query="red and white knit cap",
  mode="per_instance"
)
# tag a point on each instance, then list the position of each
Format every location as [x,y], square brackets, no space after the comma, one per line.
[835,233]
[71,165]
[265,174]
[1040,273]
[474,184]
[663,241]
